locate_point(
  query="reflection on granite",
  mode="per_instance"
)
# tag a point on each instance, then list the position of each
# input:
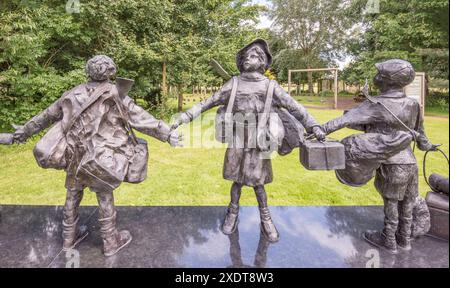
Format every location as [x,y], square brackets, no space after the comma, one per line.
[30,236]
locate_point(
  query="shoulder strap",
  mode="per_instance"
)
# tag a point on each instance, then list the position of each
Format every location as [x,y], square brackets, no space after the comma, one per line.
[232,95]
[102,88]
[123,111]
[265,116]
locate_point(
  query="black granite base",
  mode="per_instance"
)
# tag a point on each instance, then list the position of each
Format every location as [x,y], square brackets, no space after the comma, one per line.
[30,236]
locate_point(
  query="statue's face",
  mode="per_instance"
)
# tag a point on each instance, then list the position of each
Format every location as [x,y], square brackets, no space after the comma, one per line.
[252,61]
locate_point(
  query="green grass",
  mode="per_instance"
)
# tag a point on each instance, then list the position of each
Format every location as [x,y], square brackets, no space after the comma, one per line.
[185,176]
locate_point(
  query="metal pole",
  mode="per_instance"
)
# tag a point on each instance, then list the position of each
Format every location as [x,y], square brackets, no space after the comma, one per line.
[289,82]
[335,88]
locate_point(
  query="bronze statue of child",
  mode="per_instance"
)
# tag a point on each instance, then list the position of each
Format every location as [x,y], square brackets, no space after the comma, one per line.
[93,141]
[391,121]
[247,164]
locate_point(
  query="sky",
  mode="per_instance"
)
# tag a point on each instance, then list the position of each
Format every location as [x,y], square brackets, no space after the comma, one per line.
[265,22]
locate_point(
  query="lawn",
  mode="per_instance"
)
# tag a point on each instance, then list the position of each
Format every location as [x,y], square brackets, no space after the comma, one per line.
[193,176]
[345,101]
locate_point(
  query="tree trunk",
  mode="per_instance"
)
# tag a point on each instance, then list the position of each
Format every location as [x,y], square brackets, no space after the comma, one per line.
[180,97]
[164,78]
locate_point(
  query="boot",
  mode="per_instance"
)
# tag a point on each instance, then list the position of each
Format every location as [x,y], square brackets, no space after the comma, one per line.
[403,234]
[72,236]
[403,242]
[267,227]
[230,223]
[113,241]
[380,240]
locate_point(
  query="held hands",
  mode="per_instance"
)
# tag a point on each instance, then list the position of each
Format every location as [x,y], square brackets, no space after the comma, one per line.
[182,119]
[19,136]
[175,139]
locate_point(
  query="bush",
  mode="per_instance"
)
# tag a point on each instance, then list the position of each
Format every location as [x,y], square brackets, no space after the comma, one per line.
[437,101]
[436,98]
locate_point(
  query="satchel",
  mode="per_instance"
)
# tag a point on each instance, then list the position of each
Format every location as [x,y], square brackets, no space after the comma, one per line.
[137,168]
[293,132]
[270,131]
[50,151]
[224,117]
[103,168]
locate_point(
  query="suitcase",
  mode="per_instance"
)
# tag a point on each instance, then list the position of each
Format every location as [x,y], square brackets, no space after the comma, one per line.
[438,205]
[328,155]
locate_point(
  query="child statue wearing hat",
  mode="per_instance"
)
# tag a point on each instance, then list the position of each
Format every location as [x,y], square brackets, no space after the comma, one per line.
[245,163]
[386,151]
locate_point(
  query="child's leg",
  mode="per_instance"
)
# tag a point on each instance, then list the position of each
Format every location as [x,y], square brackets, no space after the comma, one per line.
[406,207]
[390,182]
[405,222]
[113,240]
[390,220]
[261,196]
[386,238]
[267,226]
[236,190]
[70,233]
[230,222]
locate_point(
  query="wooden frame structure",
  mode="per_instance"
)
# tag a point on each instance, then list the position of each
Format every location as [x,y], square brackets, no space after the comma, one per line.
[335,73]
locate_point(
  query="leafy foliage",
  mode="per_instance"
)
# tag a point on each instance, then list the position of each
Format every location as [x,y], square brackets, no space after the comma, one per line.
[43,48]
[412,30]
[309,34]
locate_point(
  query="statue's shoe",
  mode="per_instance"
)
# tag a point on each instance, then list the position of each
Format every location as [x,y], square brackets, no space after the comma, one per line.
[72,239]
[377,239]
[230,223]
[404,243]
[231,219]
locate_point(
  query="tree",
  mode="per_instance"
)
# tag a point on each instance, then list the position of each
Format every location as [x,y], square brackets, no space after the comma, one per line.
[312,32]
[44,47]
[412,30]
[202,30]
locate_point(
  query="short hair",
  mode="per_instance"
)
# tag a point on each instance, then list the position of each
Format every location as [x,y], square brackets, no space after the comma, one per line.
[261,55]
[100,68]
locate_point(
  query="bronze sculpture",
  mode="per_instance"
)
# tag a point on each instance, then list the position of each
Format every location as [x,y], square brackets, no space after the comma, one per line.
[92,139]
[249,100]
[391,121]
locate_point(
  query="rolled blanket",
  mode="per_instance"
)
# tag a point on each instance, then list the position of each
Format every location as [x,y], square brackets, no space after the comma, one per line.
[439,183]
[364,153]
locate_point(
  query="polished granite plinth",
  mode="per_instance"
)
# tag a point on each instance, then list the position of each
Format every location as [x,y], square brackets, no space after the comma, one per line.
[30,236]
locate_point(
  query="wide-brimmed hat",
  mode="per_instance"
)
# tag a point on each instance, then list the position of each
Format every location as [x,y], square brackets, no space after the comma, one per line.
[258,42]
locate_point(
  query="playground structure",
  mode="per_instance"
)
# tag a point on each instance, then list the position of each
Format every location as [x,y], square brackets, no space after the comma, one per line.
[335,76]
